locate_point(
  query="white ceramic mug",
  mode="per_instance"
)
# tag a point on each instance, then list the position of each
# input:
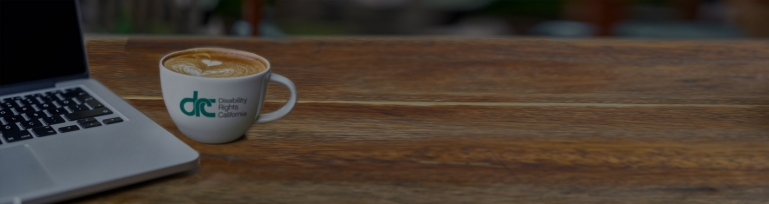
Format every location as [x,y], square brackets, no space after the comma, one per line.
[220,110]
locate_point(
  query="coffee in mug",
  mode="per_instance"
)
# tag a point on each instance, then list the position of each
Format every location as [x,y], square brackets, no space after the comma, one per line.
[214,63]
[214,95]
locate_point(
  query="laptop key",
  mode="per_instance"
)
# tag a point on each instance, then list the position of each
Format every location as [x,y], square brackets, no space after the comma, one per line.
[94,104]
[56,119]
[49,97]
[86,120]
[56,111]
[24,109]
[112,120]
[45,105]
[90,124]
[6,112]
[44,131]
[74,92]
[9,104]
[15,136]
[68,128]
[84,98]
[80,107]
[9,128]
[87,114]
[77,108]
[34,114]
[64,102]
[19,103]
[29,101]
[32,124]
[13,118]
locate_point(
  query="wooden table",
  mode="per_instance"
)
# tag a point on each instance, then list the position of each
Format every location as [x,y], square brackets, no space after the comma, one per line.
[453,120]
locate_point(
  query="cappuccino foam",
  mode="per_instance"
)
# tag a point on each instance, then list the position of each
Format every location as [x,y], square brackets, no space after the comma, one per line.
[215,63]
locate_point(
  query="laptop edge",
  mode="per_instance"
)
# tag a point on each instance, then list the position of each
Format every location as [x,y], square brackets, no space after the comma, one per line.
[173,155]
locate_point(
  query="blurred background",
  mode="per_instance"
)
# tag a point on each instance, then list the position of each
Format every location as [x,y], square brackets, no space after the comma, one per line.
[478,18]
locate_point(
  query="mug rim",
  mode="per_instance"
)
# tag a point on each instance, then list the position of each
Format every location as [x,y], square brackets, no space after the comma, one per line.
[265,71]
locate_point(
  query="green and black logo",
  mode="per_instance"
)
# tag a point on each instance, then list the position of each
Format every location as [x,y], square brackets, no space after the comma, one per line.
[198,105]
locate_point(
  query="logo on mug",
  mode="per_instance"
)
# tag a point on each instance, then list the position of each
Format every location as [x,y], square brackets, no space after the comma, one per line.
[198,105]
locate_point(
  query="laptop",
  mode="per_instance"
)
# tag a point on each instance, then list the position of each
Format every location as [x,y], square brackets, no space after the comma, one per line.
[63,134]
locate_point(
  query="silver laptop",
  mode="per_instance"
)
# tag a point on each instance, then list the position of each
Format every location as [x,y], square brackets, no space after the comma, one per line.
[62,134]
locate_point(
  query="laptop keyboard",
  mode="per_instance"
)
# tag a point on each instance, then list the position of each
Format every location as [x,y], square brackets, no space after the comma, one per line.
[35,115]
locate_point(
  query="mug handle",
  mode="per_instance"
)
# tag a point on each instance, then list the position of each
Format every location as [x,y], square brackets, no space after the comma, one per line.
[283,111]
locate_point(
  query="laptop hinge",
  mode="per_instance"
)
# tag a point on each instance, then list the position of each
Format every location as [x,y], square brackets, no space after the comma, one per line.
[17,88]
[39,84]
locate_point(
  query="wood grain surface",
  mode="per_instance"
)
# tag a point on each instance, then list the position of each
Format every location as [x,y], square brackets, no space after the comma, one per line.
[453,120]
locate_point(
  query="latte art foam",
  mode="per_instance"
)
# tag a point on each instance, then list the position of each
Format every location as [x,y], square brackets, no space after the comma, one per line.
[215,63]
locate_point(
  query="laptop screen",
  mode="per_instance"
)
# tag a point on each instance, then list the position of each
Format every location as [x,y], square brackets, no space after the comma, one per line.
[39,40]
